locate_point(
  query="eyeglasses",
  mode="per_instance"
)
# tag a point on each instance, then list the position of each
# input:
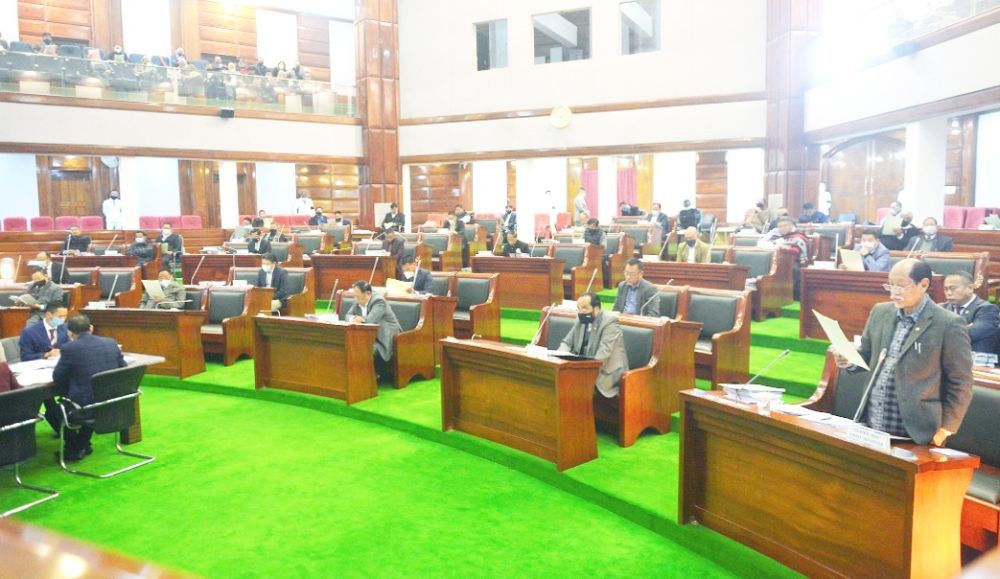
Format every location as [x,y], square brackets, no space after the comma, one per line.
[896,288]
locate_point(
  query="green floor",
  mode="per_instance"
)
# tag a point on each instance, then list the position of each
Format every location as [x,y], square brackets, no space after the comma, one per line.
[255,483]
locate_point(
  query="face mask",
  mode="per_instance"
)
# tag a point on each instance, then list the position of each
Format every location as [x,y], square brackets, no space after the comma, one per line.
[408,274]
[56,322]
[166,233]
[906,223]
[268,268]
[165,283]
[930,230]
[140,240]
[868,245]
[585,318]
[690,242]
[114,197]
[507,211]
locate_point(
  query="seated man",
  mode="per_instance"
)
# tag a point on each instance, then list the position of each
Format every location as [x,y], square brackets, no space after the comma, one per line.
[395,246]
[593,234]
[318,218]
[693,249]
[141,249]
[275,236]
[53,269]
[81,358]
[257,244]
[271,274]
[637,296]
[260,220]
[242,232]
[44,292]
[657,216]
[787,235]
[412,272]
[44,340]
[688,217]
[373,309]
[626,210]
[596,334]
[173,294]
[339,219]
[174,245]
[930,240]
[76,242]
[982,318]
[876,256]
[514,246]
[811,215]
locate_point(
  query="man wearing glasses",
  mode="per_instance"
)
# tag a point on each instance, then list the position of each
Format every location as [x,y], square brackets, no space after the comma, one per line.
[924,385]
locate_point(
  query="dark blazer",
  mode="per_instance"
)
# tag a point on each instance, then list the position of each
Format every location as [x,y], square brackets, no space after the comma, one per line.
[509,249]
[396,248]
[279,281]
[398,222]
[77,243]
[982,319]
[607,344]
[939,243]
[260,246]
[422,280]
[55,271]
[934,383]
[79,360]
[509,222]
[174,242]
[7,380]
[663,221]
[275,236]
[257,222]
[380,313]
[632,211]
[343,222]
[143,252]
[34,341]
[647,291]
[690,217]
[318,220]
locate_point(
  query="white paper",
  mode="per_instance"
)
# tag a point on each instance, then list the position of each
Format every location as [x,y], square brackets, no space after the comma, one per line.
[890,225]
[852,260]
[839,341]
[153,288]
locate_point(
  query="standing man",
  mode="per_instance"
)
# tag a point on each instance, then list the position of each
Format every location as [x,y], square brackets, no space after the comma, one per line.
[509,219]
[174,244]
[303,204]
[693,249]
[44,293]
[112,209]
[76,242]
[412,272]
[895,210]
[982,319]
[373,309]
[174,294]
[689,216]
[274,276]
[924,385]
[44,340]
[637,296]
[580,205]
[596,334]
[395,245]
[394,219]
[141,249]
[930,240]
[81,358]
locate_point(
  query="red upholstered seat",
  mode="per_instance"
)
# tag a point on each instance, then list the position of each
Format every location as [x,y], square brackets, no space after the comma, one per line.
[298,220]
[190,221]
[542,222]
[15,224]
[954,217]
[149,222]
[882,213]
[91,222]
[67,221]
[563,220]
[173,220]
[44,223]
[282,220]
[974,217]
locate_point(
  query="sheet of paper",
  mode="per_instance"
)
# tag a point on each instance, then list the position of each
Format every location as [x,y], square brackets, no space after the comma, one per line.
[890,225]
[852,260]
[394,286]
[839,341]
[35,377]
[153,288]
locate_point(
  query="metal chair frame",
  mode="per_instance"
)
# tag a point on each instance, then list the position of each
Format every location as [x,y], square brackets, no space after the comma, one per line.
[50,494]
[118,446]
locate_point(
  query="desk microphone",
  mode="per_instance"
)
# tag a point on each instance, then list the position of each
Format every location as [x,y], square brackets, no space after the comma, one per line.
[201,261]
[541,325]
[69,236]
[110,245]
[651,298]
[374,267]
[329,303]
[592,276]
[62,272]
[868,388]
[769,364]
[17,268]
[114,284]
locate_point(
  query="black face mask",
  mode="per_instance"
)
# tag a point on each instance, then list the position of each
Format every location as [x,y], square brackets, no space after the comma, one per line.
[508,211]
[760,206]
[690,242]
[586,318]
[906,223]
[39,283]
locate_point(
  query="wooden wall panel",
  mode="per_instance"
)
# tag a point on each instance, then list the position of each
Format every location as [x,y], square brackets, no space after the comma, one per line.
[314,45]
[73,185]
[644,180]
[711,174]
[246,188]
[437,189]
[960,169]
[333,187]
[228,29]
[199,190]
[512,184]
[69,19]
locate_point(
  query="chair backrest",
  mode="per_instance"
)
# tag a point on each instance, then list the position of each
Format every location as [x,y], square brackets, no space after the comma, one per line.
[407,313]
[539,249]
[850,387]
[112,384]
[195,299]
[118,280]
[280,251]
[310,243]
[638,345]
[439,284]
[572,255]
[15,224]
[437,243]
[44,223]
[947,265]
[707,221]
[336,232]
[18,46]
[470,232]
[639,234]
[980,430]
[71,50]
[296,282]
[18,406]
[410,249]
[612,243]
[564,238]
[758,261]
[224,304]
[67,221]
[472,292]
[80,276]
[716,313]
[345,302]
[11,349]
[363,247]
[190,222]
[953,217]
[746,240]
[173,220]
[91,222]
[149,222]
[246,274]
[717,255]
[669,303]
[490,225]
[559,328]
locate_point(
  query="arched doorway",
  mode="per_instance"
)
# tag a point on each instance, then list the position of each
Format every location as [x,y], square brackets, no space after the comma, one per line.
[864,174]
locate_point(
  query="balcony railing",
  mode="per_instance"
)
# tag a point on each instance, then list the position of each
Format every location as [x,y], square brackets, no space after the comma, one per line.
[190,84]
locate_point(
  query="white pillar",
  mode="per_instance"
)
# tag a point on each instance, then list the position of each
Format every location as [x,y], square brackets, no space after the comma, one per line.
[926,149]
[407,201]
[229,195]
[128,186]
[607,188]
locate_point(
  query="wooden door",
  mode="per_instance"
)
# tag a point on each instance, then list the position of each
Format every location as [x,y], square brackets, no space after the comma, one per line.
[331,187]
[199,184]
[246,188]
[864,174]
[71,185]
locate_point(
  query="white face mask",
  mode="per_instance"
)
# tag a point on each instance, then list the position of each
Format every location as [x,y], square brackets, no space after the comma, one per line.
[867,245]
[165,282]
[268,268]
[930,230]
[408,274]
[166,233]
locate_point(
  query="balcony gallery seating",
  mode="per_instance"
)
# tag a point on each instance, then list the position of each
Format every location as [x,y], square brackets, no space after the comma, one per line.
[228,329]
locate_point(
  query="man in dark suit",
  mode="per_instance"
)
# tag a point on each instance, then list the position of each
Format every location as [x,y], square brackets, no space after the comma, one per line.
[45,292]
[688,217]
[924,385]
[395,245]
[657,216]
[44,340]
[258,244]
[596,334]
[637,296]
[930,240]
[53,269]
[174,245]
[394,219]
[593,234]
[369,308]
[339,219]
[259,221]
[141,249]
[81,358]
[412,272]
[513,246]
[812,215]
[76,242]
[318,218]
[627,210]
[982,318]
[271,274]
[509,219]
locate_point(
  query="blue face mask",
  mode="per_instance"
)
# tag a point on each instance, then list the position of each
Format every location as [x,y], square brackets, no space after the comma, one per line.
[56,322]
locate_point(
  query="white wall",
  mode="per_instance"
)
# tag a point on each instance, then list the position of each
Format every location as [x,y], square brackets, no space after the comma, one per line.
[276,188]
[342,50]
[146,27]
[987,168]
[924,173]
[607,187]
[956,67]
[18,186]
[534,178]
[8,20]
[28,123]
[674,179]
[156,186]
[744,181]
[277,37]
[489,186]
[730,59]
[229,202]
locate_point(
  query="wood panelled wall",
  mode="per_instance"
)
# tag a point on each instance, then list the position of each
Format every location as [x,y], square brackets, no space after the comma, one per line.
[73,185]
[228,29]
[69,19]
[711,183]
[512,184]
[960,169]
[332,187]
[437,188]
[199,190]
[314,45]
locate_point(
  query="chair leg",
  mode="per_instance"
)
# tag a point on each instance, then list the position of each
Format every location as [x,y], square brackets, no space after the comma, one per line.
[118,446]
[50,494]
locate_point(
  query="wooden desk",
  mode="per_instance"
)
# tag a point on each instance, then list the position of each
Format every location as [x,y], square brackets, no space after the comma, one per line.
[542,406]
[440,316]
[846,296]
[215,266]
[790,489]
[76,261]
[13,320]
[173,334]
[525,282]
[347,370]
[349,269]
[707,275]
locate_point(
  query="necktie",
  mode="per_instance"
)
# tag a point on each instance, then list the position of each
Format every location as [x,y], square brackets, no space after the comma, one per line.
[586,339]
[52,337]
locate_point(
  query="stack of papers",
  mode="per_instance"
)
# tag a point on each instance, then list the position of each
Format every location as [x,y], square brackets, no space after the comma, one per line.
[852,260]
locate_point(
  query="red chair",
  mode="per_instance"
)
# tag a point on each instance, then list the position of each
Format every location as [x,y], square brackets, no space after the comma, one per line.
[563,220]
[190,221]
[15,224]
[542,225]
[44,223]
[149,222]
[66,221]
[298,220]
[250,217]
[882,213]
[974,217]
[954,217]
[91,222]
[173,220]
[282,221]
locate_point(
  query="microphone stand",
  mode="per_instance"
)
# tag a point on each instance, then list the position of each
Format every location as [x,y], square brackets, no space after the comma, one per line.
[592,277]
[868,388]
[374,267]
[538,334]
[768,367]
[113,240]
[114,284]
[201,261]
[329,304]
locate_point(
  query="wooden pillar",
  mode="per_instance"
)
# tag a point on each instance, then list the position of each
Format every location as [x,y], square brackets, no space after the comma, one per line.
[711,183]
[644,180]
[791,25]
[376,30]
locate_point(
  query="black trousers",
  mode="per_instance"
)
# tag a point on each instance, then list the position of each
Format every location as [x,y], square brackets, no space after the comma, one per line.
[76,440]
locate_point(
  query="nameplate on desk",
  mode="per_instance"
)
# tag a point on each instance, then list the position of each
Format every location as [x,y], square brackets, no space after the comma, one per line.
[97,305]
[869,438]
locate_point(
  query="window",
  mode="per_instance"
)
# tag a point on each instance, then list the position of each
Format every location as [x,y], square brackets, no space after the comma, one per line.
[640,26]
[491,45]
[562,36]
